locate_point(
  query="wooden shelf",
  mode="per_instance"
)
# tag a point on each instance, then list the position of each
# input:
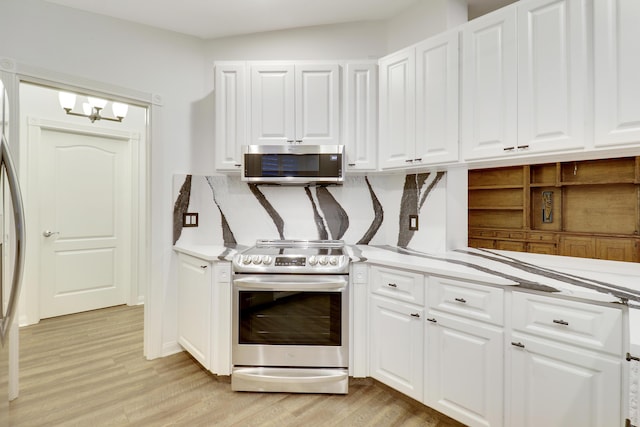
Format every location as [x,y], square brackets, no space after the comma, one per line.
[587,208]
[496,208]
[495,187]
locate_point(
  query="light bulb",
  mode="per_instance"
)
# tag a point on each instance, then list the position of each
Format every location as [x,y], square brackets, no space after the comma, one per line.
[97,102]
[120,109]
[87,108]
[67,100]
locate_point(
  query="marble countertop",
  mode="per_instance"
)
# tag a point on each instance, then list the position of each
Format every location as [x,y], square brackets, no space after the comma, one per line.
[595,280]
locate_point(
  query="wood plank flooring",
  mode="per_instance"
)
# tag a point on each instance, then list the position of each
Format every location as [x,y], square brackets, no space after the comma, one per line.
[87,369]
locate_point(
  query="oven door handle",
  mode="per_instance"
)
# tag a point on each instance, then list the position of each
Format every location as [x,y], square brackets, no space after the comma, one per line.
[291,283]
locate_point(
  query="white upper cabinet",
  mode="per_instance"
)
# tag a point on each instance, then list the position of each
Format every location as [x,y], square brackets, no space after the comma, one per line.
[525,83]
[361,115]
[617,71]
[489,84]
[230,96]
[437,99]
[419,104]
[397,109]
[552,74]
[272,104]
[295,104]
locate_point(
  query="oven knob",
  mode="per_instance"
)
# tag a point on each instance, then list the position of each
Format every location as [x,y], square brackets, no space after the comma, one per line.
[266,260]
[256,259]
[246,259]
[333,260]
[313,260]
[323,260]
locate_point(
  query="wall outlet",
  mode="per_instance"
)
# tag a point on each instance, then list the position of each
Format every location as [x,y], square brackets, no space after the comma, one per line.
[190,219]
[413,222]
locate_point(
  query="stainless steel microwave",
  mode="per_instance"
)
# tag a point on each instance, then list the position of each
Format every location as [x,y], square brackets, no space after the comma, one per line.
[293,164]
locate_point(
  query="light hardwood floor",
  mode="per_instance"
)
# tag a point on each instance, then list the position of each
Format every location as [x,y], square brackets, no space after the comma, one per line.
[87,369]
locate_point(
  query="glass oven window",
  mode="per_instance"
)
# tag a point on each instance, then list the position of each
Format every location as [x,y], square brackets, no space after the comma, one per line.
[290,318]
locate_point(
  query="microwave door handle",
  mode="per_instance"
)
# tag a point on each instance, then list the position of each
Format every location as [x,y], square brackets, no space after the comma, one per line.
[263,284]
[18,213]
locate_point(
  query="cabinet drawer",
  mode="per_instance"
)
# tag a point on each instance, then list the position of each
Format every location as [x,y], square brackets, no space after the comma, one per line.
[478,302]
[542,237]
[399,284]
[587,325]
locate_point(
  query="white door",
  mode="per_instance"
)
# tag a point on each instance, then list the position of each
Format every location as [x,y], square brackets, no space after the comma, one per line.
[437,99]
[489,85]
[230,94]
[552,74]
[396,345]
[272,104]
[361,115]
[397,109]
[317,105]
[617,67]
[553,385]
[464,370]
[85,216]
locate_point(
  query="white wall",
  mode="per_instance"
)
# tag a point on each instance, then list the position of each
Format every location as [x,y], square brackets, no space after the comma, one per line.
[423,20]
[61,40]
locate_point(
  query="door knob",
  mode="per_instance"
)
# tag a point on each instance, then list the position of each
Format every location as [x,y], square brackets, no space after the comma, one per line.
[48,233]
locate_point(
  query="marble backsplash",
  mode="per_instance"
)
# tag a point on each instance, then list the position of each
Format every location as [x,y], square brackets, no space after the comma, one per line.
[365,210]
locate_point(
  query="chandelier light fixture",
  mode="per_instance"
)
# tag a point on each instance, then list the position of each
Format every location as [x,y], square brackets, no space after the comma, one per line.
[93,108]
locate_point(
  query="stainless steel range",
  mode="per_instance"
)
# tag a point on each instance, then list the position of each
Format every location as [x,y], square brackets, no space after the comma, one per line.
[290,317]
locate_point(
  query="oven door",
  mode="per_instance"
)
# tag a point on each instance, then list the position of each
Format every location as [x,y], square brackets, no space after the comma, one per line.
[287,320]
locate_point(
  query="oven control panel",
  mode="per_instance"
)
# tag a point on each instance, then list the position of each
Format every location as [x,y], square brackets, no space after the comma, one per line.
[283,264]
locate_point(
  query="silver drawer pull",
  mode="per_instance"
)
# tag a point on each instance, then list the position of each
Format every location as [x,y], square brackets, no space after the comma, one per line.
[393,285]
[517,344]
[561,322]
[415,315]
[432,320]
[462,300]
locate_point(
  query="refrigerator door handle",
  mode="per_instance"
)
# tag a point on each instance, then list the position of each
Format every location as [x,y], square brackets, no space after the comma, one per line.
[6,318]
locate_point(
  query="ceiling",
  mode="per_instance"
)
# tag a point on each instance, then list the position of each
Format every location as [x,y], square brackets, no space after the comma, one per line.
[209,19]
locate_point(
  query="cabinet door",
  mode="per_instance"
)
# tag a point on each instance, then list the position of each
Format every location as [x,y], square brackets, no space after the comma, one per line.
[317,104]
[554,386]
[397,345]
[617,67]
[552,74]
[437,99]
[489,84]
[397,109]
[194,308]
[464,375]
[272,104]
[361,116]
[230,95]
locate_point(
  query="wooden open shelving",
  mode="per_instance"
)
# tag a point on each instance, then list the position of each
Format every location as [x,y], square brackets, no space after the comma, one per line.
[592,208]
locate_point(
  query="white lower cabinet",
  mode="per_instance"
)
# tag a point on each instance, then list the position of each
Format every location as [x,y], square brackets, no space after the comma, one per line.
[557,386]
[464,370]
[396,345]
[204,312]
[194,307]
[496,356]
[556,383]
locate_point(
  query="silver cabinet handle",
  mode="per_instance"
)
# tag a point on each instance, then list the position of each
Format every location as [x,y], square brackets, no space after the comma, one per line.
[517,344]
[432,320]
[48,233]
[415,315]
[392,285]
[561,322]
[462,300]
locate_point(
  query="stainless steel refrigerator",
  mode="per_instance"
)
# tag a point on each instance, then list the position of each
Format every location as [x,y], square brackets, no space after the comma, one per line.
[12,239]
